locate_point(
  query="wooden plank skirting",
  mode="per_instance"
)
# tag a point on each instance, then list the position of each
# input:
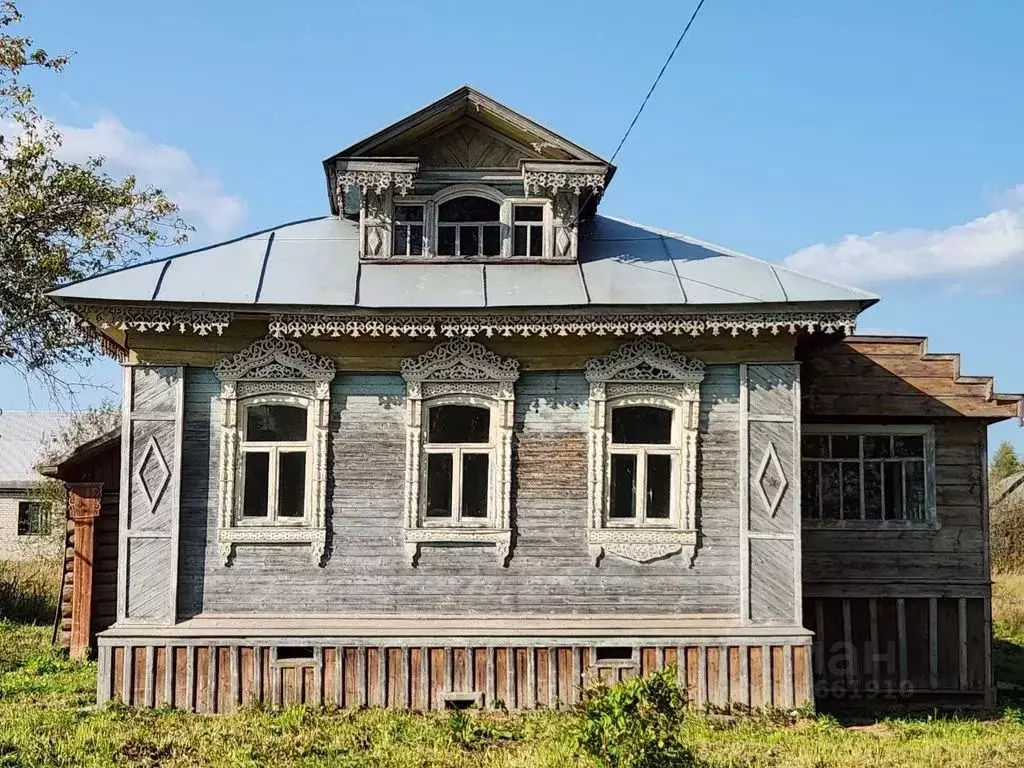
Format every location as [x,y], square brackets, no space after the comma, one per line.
[925,650]
[219,677]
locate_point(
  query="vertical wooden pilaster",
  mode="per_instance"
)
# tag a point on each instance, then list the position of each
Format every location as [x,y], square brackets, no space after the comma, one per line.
[84,504]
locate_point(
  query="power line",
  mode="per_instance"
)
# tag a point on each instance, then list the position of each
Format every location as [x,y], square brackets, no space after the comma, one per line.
[672,53]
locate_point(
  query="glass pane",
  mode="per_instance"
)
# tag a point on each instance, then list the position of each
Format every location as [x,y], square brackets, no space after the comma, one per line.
[468,208]
[459,424]
[893,479]
[275,423]
[474,484]
[409,212]
[439,485]
[851,490]
[446,241]
[416,240]
[908,446]
[659,485]
[877,446]
[830,491]
[469,241]
[915,489]
[873,490]
[401,239]
[536,241]
[809,490]
[814,446]
[633,424]
[492,241]
[623,487]
[257,484]
[845,446]
[291,485]
[529,213]
[519,241]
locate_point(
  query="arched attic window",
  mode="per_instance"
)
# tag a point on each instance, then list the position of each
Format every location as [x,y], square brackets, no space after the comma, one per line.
[469,225]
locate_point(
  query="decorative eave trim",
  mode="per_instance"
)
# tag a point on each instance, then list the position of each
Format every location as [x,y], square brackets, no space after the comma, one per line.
[377,175]
[275,359]
[309,325]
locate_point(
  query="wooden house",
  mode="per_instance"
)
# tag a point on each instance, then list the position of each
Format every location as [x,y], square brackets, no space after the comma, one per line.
[466,440]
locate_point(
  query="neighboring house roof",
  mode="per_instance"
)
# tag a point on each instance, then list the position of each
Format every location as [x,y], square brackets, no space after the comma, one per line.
[23,437]
[1007,489]
[315,262]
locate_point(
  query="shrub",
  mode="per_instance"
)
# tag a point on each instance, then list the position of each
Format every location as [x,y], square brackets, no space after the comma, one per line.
[635,724]
[1006,527]
[29,589]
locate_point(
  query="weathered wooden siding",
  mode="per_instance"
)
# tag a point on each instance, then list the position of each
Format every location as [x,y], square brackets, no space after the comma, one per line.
[218,677]
[549,571]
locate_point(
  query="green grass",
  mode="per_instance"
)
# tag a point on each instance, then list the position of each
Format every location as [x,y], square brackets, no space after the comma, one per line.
[47,718]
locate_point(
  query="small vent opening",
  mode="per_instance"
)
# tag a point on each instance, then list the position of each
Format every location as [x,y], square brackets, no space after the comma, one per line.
[295,653]
[615,654]
[462,700]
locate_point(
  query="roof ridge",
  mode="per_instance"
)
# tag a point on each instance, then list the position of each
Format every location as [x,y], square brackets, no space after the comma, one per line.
[731,252]
[167,259]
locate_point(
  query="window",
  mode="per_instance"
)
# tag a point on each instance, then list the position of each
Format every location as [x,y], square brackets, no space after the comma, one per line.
[274,408]
[275,452]
[459,408]
[469,226]
[408,239]
[869,475]
[644,400]
[643,457]
[35,518]
[527,230]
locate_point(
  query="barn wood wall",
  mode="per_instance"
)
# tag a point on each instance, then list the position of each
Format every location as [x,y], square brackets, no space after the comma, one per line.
[218,678]
[550,570]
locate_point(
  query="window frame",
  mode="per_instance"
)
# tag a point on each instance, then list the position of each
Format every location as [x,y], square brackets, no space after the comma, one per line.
[926,431]
[488,449]
[273,371]
[47,510]
[408,224]
[274,449]
[459,372]
[543,224]
[644,372]
[674,450]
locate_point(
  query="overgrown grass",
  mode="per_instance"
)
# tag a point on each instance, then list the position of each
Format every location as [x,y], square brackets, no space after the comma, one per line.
[29,590]
[46,718]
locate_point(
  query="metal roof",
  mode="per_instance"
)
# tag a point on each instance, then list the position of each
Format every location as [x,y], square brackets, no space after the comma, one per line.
[315,263]
[23,437]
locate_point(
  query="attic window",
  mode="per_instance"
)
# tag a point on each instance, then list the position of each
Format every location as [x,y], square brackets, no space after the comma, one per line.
[408,230]
[528,230]
[469,226]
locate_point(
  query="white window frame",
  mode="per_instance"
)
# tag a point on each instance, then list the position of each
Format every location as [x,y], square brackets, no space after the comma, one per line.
[422,224]
[282,372]
[927,431]
[459,372]
[544,224]
[644,372]
[674,450]
[274,449]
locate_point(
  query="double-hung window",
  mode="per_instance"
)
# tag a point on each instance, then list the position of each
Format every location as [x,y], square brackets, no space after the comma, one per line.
[35,518]
[862,475]
[459,409]
[644,421]
[527,230]
[275,403]
[408,235]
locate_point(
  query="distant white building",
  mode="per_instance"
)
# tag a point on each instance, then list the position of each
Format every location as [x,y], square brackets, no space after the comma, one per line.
[28,527]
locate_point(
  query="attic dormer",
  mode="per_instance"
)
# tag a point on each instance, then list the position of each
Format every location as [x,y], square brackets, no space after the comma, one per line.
[467,179]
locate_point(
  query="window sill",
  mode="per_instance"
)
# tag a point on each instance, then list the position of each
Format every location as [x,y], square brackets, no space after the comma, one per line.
[641,545]
[500,539]
[316,538]
[871,525]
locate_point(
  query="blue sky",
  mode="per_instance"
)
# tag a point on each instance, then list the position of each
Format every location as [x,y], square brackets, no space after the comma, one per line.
[875,142]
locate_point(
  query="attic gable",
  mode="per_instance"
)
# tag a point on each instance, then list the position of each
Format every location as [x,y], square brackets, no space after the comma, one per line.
[467,143]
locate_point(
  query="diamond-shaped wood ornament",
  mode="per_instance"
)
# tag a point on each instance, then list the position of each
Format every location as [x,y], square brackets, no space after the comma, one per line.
[154,494]
[771,479]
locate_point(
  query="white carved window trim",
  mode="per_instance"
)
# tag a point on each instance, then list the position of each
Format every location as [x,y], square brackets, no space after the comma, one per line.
[460,372]
[930,521]
[278,371]
[644,372]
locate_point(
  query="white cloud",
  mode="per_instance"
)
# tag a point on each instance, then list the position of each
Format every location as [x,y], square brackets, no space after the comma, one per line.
[972,249]
[199,194]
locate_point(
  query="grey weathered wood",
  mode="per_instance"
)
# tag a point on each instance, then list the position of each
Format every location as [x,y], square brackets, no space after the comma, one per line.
[425,679]
[531,678]
[169,669]
[491,677]
[257,673]
[962,626]
[681,679]
[933,643]
[150,677]
[190,677]
[702,675]
[339,676]
[104,676]
[211,680]
[362,683]
[510,677]
[382,676]
[848,650]
[744,675]
[577,676]
[787,674]
[236,680]
[128,676]
[552,677]
[901,639]
[873,640]
[723,674]
[767,691]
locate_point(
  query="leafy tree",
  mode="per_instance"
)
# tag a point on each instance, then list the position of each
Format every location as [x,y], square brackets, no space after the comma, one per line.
[59,221]
[1005,462]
